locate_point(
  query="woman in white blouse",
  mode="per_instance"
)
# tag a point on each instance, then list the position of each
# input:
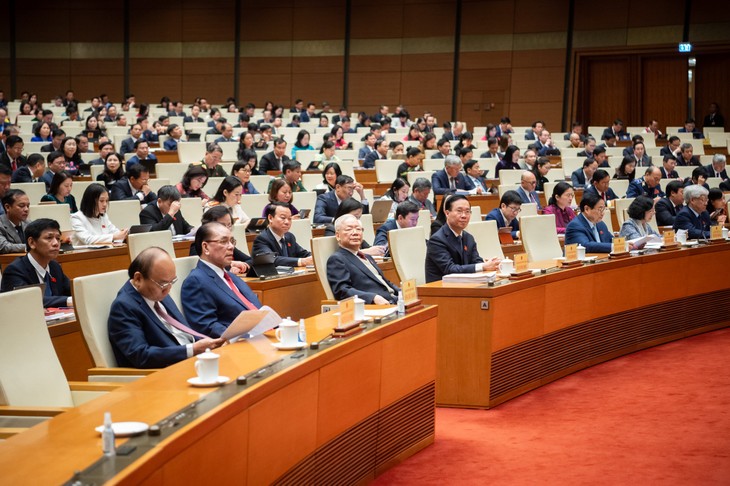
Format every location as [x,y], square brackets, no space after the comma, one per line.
[229,195]
[91,225]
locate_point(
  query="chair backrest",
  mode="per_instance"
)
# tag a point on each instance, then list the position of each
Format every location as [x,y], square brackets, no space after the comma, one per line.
[486,236]
[238,231]
[155,184]
[386,170]
[408,249]
[212,185]
[476,214]
[527,209]
[608,220]
[253,204]
[302,231]
[171,172]
[34,190]
[305,200]
[95,171]
[59,212]
[310,181]
[124,213]
[192,208]
[190,152]
[30,373]
[261,182]
[322,248]
[78,188]
[621,206]
[424,221]
[619,186]
[183,267]
[540,237]
[141,241]
[368,232]
[93,297]
[510,176]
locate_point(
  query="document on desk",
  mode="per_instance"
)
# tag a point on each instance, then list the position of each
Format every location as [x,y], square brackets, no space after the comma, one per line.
[651,240]
[479,277]
[252,323]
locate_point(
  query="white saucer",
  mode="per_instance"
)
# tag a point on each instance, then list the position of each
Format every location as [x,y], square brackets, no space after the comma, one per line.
[195,381]
[281,347]
[126,429]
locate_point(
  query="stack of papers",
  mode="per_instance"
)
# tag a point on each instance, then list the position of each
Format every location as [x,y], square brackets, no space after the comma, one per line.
[481,277]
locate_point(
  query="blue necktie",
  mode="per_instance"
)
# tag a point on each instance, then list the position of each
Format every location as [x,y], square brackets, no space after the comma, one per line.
[595,234]
[284,251]
[48,292]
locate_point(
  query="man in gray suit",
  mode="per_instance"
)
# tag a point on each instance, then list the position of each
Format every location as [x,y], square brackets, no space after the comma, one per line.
[14,221]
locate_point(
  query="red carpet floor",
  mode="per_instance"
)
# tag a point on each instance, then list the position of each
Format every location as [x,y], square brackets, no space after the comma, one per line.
[660,416]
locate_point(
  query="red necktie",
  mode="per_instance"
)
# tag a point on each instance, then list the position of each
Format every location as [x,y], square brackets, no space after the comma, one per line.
[247,303]
[175,323]
[15,165]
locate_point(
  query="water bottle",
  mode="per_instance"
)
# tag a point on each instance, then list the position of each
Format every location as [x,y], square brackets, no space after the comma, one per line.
[302,332]
[107,436]
[401,304]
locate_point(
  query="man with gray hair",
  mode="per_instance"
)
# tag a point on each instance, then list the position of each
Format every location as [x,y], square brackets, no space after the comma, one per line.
[718,167]
[421,189]
[451,178]
[693,217]
[350,272]
[164,214]
[211,161]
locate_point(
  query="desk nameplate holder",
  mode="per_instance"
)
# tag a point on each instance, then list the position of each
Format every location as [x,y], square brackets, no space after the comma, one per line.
[347,324]
[104,469]
[716,235]
[521,271]
[571,257]
[410,295]
[670,242]
[618,249]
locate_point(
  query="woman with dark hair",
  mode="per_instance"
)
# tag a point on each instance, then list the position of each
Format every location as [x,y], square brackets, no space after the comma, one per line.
[440,220]
[229,195]
[413,134]
[268,105]
[24,109]
[246,143]
[91,224]
[466,140]
[428,142]
[330,173]
[699,177]
[249,157]
[716,206]
[540,169]
[340,142]
[627,169]
[42,133]
[92,130]
[192,183]
[302,143]
[398,192]
[510,161]
[490,132]
[325,156]
[281,191]
[640,212]
[60,190]
[113,170]
[165,103]
[559,205]
[71,153]
[324,121]
[242,170]
[144,111]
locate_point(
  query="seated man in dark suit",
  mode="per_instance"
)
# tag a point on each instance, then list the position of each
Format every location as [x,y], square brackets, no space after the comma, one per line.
[599,186]
[506,214]
[420,190]
[175,132]
[406,216]
[588,229]
[39,266]
[668,206]
[128,144]
[669,162]
[56,163]
[105,148]
[273,161]
[350,272]
[451,178]
[534,132]
[326,206]
[167,204]
[5,177]
[718,167]
[453,250]
[13,157]
[685,157]
[581,178]
[57,136]
[693,218]
[146,329]
[380,152]
[526,191]
[370,139]
[276,238]
[672,146]
[648,185]
[444,149]
[616,130]
[134,186]
[242,264]
[690,127]
[14,222]
[213,297]
[32,171]
[142,154]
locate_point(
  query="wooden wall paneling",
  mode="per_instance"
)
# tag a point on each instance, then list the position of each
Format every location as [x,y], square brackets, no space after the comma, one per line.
[663,79]
[604,90]
[487,17]
[711,79]
[266,22]
[150,23]
[533,16]
[208,22]
[151,79]
[198,81]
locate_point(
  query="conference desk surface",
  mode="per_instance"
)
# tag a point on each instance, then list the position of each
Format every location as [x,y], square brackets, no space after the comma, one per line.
[497,342]
[341,414]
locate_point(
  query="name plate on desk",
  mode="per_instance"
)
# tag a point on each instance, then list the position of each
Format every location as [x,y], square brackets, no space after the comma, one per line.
[619,245]
[347,312]
[521,263]
[669,238]
[716,232]
[410,294]
[571,252]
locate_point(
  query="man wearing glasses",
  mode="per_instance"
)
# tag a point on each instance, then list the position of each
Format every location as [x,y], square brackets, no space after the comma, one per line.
[212,296]
[588,229]
[453,250]
[506,214]
[693,217]
[146,329]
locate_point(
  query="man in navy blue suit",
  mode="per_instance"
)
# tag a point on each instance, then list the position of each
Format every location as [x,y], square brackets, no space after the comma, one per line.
[451,178]
[648,185]
[453,250]
[526,191]
[718,167]
[506,214]
[588,229]
[406,216]
[326,206]
[350,272]
[693,217]
[146,329]
[599,186]
[276,238]
[213,297]
[581,178]
[128,143]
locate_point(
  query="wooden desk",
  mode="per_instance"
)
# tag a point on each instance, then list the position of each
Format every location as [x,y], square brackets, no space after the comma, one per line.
[370,397]
[366,175]
[537,330]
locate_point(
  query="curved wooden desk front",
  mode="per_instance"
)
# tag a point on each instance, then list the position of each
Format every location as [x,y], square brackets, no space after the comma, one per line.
[540,329]
[342,415]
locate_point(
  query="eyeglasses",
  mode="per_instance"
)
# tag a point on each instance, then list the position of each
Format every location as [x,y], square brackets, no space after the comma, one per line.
[224,242]
[600,209]
[514,209]
[462,212]
[165,285]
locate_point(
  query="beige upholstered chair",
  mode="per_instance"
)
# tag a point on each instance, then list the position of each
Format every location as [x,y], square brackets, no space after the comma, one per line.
[408,249]
[540,237]
[486,236]
[302,231]
[59,212]
[124,214]
[621,205]
[192,208]
[34,190]
[322,248]
[141,241]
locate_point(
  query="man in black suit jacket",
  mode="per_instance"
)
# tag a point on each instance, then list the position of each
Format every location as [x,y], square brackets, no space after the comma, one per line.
[57,136]
[693,217]
[672,146]
[290,253]
[616,130]
[599,186]
[13,158]
[32,171]
[685,157]
[406,216]
[127,145]
[134,186]
[167,204]
[14,221]
[718,167]
[326,206]
[381,152]
[453,250]
[273,161]
[667,169]
[39,266]
[350,272]
[668,206]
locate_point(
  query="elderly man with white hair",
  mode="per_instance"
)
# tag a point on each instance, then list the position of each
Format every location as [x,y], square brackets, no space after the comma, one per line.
[718,167]
[351,272]
[693,217]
